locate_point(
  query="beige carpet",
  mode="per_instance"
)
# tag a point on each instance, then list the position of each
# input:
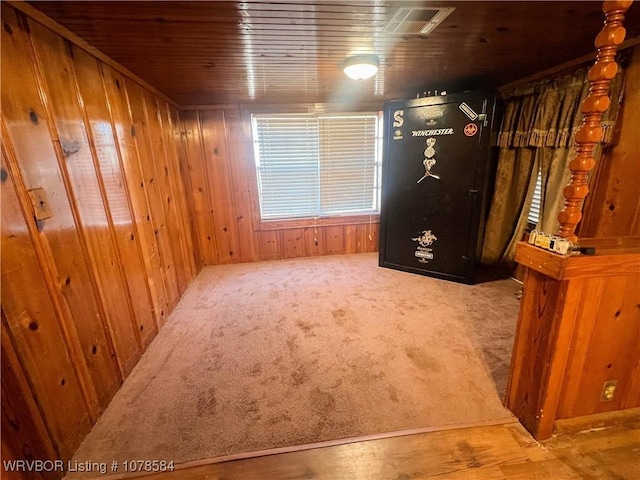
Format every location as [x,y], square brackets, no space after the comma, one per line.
[291,352]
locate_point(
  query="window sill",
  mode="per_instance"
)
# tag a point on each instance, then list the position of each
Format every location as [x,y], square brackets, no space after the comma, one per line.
[319,222]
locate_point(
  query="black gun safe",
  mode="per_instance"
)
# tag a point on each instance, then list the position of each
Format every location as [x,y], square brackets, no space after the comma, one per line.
[437,169]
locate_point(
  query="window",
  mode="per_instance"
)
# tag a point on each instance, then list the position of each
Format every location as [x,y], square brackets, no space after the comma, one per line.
[534,211]
[317,165]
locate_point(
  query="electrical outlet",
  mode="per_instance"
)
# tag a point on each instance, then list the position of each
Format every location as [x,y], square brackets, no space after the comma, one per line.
[608,391]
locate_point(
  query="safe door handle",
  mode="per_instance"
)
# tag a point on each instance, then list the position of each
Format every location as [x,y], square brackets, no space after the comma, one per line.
[429,161]
[437,177]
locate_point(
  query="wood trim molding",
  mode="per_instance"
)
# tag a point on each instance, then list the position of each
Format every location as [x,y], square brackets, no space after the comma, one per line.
[267,225]
[48,22]
[571,426]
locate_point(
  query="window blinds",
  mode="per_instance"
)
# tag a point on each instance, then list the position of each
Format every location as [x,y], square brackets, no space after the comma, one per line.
[317,165]
[536,202]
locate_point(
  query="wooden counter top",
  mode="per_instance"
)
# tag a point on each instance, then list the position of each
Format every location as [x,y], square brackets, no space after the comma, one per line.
[614,256]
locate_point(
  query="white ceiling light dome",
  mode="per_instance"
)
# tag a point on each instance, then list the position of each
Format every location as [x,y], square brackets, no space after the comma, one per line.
[361,67]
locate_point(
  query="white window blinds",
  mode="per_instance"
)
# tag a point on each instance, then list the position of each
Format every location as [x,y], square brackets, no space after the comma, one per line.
[536,203]
[317,165]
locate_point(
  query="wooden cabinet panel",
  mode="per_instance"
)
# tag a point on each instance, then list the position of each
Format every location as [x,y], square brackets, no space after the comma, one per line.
[601,353]
[575,333]
[527,382]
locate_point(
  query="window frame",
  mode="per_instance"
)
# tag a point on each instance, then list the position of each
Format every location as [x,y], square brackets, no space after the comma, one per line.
[261,224]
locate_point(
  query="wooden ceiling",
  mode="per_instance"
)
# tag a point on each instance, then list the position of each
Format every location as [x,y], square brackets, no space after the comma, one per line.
[290,51]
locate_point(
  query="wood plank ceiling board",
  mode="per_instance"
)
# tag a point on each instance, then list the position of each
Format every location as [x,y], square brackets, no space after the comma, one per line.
[290,51]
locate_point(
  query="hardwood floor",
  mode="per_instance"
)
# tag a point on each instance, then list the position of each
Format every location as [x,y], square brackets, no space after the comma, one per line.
[503,451]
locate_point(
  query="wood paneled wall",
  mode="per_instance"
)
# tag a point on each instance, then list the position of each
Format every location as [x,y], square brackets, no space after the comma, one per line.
[578,330]
[96,234]
[613,208]
[224,188]
[112,200]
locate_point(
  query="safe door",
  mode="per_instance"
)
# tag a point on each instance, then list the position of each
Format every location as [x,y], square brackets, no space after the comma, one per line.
[435,166]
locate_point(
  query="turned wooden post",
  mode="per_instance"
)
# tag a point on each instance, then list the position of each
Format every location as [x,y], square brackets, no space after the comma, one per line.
[596,103]
[576,337]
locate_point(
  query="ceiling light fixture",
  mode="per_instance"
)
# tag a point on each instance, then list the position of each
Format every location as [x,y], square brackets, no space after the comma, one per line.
[361,67]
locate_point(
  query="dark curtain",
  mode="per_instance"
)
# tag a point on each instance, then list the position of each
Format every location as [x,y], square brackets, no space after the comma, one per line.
[537,135]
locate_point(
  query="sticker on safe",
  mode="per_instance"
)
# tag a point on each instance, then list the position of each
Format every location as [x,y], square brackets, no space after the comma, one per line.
[468,111]
[423,251]
[398,121]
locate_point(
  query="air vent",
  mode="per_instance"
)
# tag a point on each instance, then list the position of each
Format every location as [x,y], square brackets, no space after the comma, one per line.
[416,21]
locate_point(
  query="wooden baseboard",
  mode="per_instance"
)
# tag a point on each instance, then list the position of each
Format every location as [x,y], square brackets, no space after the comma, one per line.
[575,425]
